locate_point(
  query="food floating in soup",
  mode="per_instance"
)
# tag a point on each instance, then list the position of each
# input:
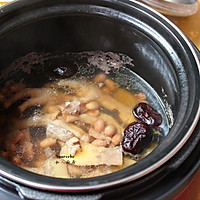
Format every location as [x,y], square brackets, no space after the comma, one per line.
[76,127]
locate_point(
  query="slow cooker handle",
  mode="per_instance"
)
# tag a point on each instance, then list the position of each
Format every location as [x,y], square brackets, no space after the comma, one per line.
[17,191]
[120,192]
[30,193]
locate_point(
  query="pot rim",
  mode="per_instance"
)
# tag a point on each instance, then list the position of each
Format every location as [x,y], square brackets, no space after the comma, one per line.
[10,174]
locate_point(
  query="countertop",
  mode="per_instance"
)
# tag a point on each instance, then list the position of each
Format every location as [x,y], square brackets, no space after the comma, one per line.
[189,25]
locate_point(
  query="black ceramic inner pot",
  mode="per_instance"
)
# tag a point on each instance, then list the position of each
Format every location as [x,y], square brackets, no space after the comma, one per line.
[162,56]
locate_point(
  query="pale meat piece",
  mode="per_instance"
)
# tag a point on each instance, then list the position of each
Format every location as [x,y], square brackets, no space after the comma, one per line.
[93,155]
[85,91]
[57,132]
[63,131]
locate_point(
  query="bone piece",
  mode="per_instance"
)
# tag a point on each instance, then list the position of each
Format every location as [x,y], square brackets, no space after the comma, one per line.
[89,119]
[74,145]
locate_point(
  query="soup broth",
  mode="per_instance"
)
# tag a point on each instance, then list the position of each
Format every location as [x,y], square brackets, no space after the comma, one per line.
[71,122]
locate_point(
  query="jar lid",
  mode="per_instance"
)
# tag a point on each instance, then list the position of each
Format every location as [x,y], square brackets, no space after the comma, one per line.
[174,7]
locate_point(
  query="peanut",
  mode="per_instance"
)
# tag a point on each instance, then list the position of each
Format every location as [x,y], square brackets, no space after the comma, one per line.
[92,105]
[9,83]
[47,142]
[100,143]
[94,113]
[4,154]
[110,84]
[96,134]
[105,90]
[61,143]
[117,138]
[141,96]
[99,78]
[17,160]
[2,98]
[69,118]
[85,138]
[17,87]
[110,130]
[51,109]
[99,125]
[38,163]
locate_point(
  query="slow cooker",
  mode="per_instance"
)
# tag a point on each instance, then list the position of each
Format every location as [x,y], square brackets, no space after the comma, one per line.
[163,56]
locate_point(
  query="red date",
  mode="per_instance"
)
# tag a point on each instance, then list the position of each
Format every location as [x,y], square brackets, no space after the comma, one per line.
[137,137]
[145,113]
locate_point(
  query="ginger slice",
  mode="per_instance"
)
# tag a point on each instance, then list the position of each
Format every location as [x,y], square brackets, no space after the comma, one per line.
[70,128]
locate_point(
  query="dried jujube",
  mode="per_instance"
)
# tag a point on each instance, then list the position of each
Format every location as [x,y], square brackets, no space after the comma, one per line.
[145,113]
[137,137]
